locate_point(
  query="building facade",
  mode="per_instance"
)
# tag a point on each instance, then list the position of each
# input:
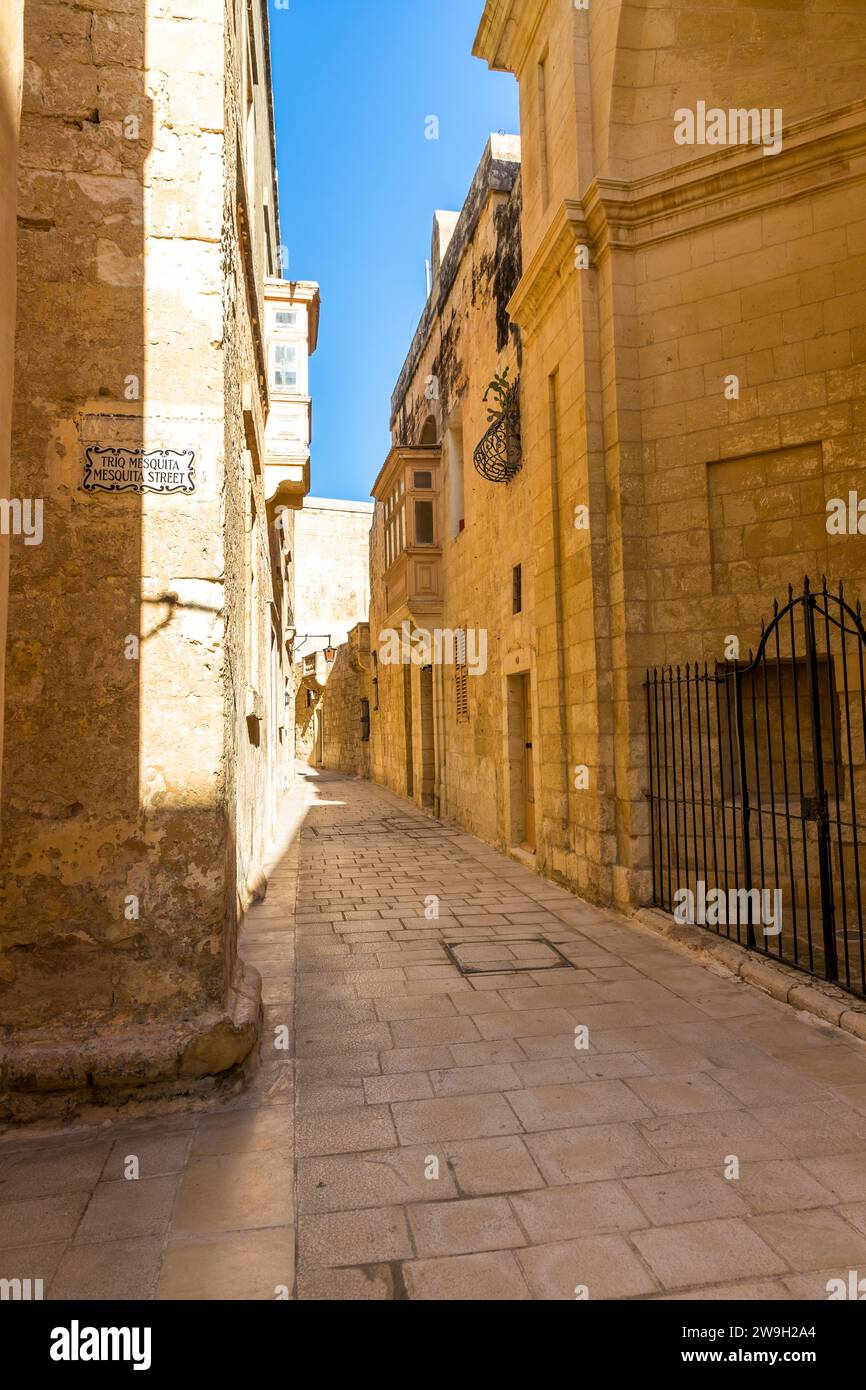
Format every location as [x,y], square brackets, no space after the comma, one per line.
[679,470]
[291,327]
[332,597]
[692,399]
[148,676]
[451,549]
[342,699]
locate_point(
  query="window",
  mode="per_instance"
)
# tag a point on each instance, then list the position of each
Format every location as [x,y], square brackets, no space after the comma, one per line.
[517,589]
[365,721]
[423,523]
[287,318]
[375,681]
[395,532]
[461,678]
[285,365]
[408,512]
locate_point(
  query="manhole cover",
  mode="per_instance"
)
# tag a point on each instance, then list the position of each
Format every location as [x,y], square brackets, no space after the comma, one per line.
[413,829]
[497,957]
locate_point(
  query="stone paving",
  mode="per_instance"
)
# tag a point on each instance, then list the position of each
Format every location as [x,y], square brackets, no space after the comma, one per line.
[418,1132]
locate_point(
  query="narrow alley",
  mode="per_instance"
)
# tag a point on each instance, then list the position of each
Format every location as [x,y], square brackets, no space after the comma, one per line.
[432,671]
[585,1112]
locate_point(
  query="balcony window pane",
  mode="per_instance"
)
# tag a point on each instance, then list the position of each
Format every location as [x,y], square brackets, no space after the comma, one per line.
[285,364]
[423,480]
[423,523]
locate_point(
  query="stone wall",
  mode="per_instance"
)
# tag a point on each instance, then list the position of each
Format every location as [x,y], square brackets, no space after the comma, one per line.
[11,70]
[128,838]
[345,749]
[258,670]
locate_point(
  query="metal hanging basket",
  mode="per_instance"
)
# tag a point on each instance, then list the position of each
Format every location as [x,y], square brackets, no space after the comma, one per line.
[499,456]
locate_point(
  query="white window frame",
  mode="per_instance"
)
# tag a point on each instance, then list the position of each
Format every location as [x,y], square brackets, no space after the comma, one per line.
[290,367]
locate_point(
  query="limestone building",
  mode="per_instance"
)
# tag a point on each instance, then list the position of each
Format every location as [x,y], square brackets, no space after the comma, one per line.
[451,550]
[332,597]
[692,311]
[336,716]
[686,442]
[149,686]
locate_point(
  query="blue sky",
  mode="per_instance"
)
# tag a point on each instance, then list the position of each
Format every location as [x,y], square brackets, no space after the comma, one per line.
[354,82]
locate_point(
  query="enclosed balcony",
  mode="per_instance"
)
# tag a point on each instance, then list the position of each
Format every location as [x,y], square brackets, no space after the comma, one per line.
[287,451]
[292,316]
[408,490]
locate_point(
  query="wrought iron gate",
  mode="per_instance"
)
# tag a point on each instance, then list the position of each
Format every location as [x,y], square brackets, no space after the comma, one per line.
[757,788]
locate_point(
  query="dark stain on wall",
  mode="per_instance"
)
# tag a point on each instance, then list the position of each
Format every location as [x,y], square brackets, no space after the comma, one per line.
[508,265]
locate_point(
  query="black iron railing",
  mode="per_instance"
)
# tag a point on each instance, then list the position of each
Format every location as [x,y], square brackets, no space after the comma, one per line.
[757,783]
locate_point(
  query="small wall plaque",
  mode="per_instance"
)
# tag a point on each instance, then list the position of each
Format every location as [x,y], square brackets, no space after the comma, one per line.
[138,470]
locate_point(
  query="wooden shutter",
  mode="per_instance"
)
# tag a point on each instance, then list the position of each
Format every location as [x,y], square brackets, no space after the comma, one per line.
[461,680]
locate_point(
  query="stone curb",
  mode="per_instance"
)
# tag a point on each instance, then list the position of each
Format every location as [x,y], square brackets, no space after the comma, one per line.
[825,1001]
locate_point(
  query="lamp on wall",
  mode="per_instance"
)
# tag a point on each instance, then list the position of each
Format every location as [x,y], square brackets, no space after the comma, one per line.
[329,652]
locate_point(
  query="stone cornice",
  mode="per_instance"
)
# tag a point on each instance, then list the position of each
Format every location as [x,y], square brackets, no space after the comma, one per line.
[488,39]
[730,183]
[506,31]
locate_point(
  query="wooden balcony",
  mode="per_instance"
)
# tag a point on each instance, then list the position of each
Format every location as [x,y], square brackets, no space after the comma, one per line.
[408,491]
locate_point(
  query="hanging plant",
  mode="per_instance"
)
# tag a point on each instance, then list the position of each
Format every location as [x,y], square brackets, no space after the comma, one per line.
[499,456]
[502,389]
